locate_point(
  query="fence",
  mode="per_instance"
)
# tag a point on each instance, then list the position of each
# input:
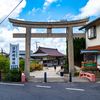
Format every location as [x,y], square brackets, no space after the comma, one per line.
[36,66]
[10,76]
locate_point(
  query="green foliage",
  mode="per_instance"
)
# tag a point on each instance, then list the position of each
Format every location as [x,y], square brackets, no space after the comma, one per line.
[31,69]
[13,75]
[35,62]
[40,68]
[79,44]
[4,63]
[66,67]
[22,64]
[76,73]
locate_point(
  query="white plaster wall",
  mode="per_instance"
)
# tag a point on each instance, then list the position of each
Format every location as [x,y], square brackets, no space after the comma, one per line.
[95,41]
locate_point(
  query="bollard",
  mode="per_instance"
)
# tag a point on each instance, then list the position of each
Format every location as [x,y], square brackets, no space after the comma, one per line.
[70,76]
[45,77]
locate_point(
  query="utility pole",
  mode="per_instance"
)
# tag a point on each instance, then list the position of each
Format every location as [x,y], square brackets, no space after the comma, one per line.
[1,51]
[36,45]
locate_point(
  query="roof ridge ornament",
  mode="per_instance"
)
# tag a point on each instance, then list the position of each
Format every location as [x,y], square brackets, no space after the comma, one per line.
[63,20]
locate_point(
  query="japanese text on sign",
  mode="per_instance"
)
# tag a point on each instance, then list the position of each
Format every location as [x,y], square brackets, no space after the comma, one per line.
[14,56]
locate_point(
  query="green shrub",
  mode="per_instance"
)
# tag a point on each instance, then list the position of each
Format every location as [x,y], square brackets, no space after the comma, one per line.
[22,64]
[40,68]
[76,73]
[13,75]
[33,65]
[4,63]
[35,62]
[31,69]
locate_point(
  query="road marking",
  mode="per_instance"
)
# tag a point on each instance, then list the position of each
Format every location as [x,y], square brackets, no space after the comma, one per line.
[43,86]
[12,84]
[75,89]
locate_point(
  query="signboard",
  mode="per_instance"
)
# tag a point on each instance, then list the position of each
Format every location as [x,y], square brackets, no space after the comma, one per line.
[98,51]
[14,56]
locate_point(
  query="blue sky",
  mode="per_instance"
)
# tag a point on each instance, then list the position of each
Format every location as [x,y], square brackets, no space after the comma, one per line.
[43,10]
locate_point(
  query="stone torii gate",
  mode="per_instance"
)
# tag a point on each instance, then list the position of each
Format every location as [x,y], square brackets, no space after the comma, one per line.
[49,25]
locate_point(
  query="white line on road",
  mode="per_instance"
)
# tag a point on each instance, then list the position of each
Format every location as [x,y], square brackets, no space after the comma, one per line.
[75,89]
[12,84]
[43,86]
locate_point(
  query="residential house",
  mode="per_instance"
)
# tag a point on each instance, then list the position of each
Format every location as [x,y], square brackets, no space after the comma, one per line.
[92,51]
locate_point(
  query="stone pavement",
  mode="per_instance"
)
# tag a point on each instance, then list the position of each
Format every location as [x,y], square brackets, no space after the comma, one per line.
[49,70]
[52,76]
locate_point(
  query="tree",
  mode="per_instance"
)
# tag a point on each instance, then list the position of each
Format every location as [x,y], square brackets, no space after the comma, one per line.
[4,63]
[79,44]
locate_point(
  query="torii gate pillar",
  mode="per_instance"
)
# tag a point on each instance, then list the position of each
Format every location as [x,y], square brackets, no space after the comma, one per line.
[70,50]
[27,51]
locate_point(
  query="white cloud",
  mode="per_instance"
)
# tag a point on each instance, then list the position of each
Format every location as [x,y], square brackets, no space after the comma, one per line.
[7,37]
[92,8]
[51,21]
[56,40]
[6,31]
[34,10]
[47,3]
[22,30]
[58,43]
[58,5]
[7,6]
[33,30]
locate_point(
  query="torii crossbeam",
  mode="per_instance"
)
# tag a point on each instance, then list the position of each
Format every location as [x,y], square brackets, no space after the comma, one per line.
[49,25]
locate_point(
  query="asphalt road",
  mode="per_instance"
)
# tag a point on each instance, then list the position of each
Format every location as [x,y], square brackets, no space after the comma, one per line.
[50,91]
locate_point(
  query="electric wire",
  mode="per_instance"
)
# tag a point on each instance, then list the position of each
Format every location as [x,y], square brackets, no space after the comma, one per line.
[68,9]
[10,12]
[73,6]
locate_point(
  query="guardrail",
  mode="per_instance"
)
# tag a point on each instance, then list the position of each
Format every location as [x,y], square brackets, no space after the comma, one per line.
[88,75]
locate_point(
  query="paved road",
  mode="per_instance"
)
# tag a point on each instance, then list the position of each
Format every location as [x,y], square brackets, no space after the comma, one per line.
[50,72]
[54,91]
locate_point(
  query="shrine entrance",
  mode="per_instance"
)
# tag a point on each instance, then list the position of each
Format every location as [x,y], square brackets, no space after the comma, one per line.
[48,25]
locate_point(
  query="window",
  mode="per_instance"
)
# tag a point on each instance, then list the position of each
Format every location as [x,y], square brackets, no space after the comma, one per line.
[92,32]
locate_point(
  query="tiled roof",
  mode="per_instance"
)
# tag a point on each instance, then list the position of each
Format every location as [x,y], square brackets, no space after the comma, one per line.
[49,51]
[22,52]
[24,58]
[93,48]
[38,54]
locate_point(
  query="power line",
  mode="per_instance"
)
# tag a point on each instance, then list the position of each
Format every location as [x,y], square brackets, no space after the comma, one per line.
[37,45]
[69,8]
[73,5]
[10,12]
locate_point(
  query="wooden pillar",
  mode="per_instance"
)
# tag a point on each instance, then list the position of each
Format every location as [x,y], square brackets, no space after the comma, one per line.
[27,52]
[70,50]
